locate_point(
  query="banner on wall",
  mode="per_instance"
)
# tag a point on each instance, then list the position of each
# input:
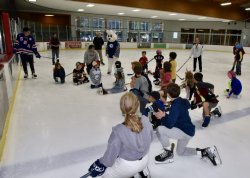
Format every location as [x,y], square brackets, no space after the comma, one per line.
[73,44]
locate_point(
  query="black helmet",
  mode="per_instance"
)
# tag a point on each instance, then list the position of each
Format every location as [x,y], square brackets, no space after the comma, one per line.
[118,64]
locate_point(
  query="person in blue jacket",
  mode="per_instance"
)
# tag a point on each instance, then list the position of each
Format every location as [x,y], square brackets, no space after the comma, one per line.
[25,45]
[235,86]
[176,125]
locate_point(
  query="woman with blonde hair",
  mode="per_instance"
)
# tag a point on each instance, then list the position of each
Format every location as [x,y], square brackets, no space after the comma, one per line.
[128,145]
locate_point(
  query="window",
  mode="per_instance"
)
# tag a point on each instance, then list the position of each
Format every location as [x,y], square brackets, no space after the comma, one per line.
[114,24]
[84,22]
[133,25]
[98,23]
[175,35]
[144,26]
[157,26]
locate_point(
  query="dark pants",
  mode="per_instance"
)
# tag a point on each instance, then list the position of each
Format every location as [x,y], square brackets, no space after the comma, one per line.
[200,63]
[27,58]
[55,53]
[238,67]
[89,67]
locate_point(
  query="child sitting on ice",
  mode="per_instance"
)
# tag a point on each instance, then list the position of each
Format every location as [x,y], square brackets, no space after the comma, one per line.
[119,84]
[234,85]
[95,76]
[79,76]
[59,72]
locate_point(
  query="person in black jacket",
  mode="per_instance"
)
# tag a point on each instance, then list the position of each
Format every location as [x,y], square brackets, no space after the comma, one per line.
[59,72]
[98,42]
[55,43]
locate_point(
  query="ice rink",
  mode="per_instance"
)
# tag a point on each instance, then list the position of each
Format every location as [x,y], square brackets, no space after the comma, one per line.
[58,131]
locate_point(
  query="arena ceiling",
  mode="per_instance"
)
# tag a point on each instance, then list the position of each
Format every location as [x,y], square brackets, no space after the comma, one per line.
[189,10]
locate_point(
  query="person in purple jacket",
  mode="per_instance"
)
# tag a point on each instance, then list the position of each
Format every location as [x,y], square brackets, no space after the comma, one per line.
[178,125]
[128,145]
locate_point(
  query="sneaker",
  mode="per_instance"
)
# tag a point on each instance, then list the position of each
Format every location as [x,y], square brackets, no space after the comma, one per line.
[206,121]
[34,75]
[25,76]
[166,157]
[53,62]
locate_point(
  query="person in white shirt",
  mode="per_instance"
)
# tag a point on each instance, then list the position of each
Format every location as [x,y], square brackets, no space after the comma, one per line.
[196,52]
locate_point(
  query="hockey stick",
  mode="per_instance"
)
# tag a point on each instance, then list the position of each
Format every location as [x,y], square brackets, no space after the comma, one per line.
[145,64]
[86,175]
[68,74]
[180,77]
[183,64]
[46,57]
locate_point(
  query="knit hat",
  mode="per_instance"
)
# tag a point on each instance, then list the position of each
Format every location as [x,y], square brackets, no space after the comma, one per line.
[155,95]
[231,73]
[198,76]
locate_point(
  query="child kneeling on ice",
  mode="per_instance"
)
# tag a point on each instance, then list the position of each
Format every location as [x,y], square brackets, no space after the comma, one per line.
[95,75]
[234,85]
[59,72]
[79,76]
[178,125]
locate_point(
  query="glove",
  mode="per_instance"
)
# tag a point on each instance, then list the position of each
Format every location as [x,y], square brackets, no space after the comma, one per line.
[38,55]
[97,169]
[193,105]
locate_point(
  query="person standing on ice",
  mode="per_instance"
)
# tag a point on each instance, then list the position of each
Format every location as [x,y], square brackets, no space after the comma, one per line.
[25,45]
[55,43]
[178,125]
[196,52]
[112,49]
[98,42]
[128,145]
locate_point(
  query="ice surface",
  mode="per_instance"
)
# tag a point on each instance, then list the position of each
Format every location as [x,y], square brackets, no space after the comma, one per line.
[57,131]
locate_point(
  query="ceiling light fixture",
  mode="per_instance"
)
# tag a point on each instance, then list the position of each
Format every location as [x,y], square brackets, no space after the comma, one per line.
[154,16]
[32,0]
[136,10]
[226,21]
[172,14]
[80,10]
[202,18]
[90,5]
[226,3]
[181,19]
[121,13]
[49,15]
[247,9]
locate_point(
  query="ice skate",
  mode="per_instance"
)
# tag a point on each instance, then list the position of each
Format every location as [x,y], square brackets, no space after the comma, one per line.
[166,157]
[212,154]
[34,76]
[100,91]
[217,112]
[25,76]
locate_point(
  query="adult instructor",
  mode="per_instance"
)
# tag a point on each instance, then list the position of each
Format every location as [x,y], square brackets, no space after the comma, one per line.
[98,42]
[196,52]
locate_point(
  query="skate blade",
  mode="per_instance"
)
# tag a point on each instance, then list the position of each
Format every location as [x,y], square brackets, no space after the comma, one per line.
[218,159]
[164,162]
